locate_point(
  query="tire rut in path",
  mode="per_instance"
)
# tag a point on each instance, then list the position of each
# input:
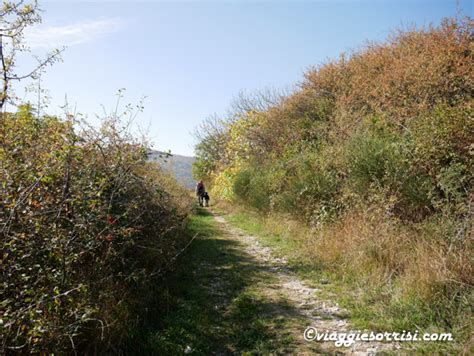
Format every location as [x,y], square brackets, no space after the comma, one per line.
[308,309]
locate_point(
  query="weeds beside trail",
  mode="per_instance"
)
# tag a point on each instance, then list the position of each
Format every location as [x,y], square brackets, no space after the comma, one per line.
[289,240]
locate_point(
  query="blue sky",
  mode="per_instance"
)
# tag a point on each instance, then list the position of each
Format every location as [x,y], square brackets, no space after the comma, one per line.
[191,58]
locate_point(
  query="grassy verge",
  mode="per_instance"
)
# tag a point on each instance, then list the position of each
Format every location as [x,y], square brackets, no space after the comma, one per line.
[211,302]
[368,308]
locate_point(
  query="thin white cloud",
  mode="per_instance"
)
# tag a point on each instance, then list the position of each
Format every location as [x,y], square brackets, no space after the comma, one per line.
[70,35]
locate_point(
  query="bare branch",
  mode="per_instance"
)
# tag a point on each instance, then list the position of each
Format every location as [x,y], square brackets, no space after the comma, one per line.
[50,59]
[15,17]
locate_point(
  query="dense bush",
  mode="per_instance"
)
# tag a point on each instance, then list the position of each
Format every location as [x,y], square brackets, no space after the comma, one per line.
[443,149]
[85,224]
[375,151]
[393,120]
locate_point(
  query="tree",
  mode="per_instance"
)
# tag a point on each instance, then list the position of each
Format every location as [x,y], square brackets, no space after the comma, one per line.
[15,17]
[211,135]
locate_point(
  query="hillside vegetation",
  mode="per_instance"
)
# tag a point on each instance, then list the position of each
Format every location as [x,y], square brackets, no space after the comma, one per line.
[179,166]
[374,152]
[86,226]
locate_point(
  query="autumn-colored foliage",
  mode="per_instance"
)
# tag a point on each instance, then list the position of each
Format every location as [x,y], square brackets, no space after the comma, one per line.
[375,152]
[85,225]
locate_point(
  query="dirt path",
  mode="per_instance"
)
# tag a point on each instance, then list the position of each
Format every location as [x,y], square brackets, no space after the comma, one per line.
[291,299]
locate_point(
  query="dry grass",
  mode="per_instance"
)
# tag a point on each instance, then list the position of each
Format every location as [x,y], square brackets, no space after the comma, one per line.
[398,276]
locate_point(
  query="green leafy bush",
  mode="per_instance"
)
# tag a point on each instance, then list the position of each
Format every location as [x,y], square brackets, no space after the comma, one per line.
[252,186]
[380,162]
[443,149]
[242,185]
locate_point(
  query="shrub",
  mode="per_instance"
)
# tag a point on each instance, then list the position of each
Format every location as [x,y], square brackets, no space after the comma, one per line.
[253,187]
[310,185]
[443,149]
[380,163]
[242,185]
[85,224]
[259,195]
[413,71]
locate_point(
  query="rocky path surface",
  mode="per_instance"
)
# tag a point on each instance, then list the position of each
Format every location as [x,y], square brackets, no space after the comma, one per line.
[304,306]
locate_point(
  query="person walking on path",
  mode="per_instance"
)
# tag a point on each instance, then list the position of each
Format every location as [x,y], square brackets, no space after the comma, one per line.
[200,190]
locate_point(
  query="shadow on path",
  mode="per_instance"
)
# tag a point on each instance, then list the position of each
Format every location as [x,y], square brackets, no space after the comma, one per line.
[212,301]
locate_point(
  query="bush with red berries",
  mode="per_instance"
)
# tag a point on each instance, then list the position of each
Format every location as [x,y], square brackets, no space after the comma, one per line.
[86,223]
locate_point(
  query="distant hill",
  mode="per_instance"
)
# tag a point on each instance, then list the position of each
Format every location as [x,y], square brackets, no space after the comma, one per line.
[179,166]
